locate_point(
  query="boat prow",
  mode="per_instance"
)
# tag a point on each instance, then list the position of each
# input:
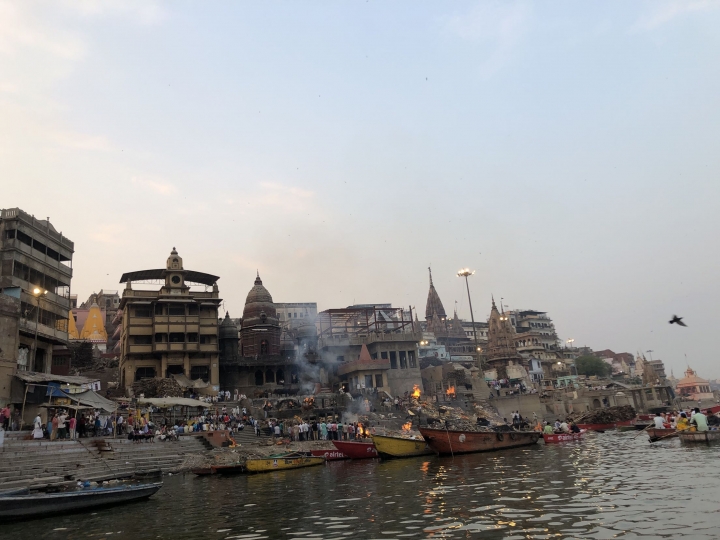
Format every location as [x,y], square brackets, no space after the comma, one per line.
[356,449]
[399,447]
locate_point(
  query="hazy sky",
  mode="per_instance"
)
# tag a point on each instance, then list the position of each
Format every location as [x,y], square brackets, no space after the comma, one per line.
[568,151]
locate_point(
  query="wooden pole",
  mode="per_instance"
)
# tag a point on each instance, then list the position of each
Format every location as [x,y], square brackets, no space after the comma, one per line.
[22,412]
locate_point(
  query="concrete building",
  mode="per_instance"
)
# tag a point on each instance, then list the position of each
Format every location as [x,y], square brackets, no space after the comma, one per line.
[294,314]
[390,338]
[536,335]
[172,330]
[694,388]
[37,259]
[9,340]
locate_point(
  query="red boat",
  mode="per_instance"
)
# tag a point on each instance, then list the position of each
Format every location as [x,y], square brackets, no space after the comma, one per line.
[605,427]
[356,450]
[444,441]
[329,455]
[563,437]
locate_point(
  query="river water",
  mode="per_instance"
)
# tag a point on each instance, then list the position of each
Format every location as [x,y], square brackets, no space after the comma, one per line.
[611,485]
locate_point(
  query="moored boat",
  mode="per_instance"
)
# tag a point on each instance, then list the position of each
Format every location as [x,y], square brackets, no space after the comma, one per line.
[292,460]
[633,427]
[43,504]
[444,441]
[356,449]
[329,455]
[605,427]
[234,468]
[399,447]
[202,471]
[699,436]
[564,437]
[665,433]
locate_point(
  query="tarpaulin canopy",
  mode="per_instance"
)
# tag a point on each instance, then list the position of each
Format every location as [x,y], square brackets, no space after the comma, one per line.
[94,400]
[186,382]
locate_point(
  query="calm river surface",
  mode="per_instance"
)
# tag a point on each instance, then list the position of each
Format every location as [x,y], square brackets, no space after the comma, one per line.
[612,485]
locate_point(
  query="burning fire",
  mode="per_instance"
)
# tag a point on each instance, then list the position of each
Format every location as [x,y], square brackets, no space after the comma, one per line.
[360,430]
[407,426]
[416,391]
[450,391]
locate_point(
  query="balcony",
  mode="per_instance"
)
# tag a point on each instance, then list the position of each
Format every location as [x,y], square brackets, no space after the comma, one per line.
[348,340]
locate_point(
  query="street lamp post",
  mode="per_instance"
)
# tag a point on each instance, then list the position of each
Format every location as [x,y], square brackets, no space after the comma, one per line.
[466,272]
[37,293]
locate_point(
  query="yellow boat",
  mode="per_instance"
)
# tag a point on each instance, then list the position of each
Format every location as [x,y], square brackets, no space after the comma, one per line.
[282,462]
[400,447]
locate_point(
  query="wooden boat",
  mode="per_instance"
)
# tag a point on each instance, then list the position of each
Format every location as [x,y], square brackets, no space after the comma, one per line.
[633,427]
[293,460]
[329,455]
[699,436]
[202,471]
[356,450]
[656,433]
[400,447]
[605,427]
[462,442]
[39,505]
[564,437]
[234,468]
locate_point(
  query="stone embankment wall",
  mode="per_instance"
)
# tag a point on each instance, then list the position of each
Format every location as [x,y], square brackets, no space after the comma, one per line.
[44,463]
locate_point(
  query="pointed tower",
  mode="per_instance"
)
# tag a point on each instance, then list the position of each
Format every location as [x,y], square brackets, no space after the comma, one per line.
[433,306]
[456,330]
[72,327]
[501,342]
[94,327]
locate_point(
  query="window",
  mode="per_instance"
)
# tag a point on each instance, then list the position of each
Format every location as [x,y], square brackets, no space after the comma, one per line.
[144,373]
[264,346]
[378,380]
[295,315]
[192,309]
[259,378]
[176,310]
[206,340]
[403,360]
[411,358]
[177,337]
[340,359]
[368,381]
[161,338]
[393,360]
[10,233]
[374,356]
[142,312]
[159,310]
[200,372]
[383,355]
[142,340]
[192,337]
[269,376]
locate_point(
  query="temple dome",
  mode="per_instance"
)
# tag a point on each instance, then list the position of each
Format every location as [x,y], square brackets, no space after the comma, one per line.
[259,307]
[228,328]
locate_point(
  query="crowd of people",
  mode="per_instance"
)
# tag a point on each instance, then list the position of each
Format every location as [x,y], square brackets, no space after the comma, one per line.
[691,419]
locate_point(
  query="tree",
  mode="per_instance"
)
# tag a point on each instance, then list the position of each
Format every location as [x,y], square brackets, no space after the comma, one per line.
[591,365]
[81,355]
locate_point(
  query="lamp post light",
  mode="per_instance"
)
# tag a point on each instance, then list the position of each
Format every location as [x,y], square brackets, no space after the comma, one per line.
[571,341]
[466,272]
[37,293]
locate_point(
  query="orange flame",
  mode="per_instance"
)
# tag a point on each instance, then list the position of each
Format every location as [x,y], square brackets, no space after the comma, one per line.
[450,391]
[407,426]
[416,391]
[360,430]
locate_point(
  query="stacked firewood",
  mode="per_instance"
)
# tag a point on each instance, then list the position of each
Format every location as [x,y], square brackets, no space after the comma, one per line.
[157,388]
[607,416]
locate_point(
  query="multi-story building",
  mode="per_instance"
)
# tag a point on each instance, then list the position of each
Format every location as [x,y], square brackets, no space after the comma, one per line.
[172,330]
[294,314]
[36,259]
[370,348]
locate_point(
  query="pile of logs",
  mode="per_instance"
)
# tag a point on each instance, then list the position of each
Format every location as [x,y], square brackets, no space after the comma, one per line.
[607,416]
[157,388]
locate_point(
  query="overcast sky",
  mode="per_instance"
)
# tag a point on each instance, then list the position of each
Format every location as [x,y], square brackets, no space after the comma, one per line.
[567,151]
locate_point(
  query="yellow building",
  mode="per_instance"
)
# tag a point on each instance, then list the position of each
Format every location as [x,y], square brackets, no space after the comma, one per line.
[172,330]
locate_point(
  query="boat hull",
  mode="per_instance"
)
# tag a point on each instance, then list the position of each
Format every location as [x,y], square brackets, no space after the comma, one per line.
[656,433]
[43,504]
[329,455]
[699,436]
[398,447]
[356,450]
[227,469]
[563,437]
[633,427]
[464,442]
[605,427]
[282,463]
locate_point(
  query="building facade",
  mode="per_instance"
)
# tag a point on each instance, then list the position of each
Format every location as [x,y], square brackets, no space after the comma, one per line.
[36,259]
[172,330]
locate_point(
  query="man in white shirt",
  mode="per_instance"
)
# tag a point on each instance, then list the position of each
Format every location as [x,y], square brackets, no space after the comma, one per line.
[659,421]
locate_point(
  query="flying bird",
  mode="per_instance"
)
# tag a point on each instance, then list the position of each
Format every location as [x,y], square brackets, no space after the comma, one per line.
[677,320]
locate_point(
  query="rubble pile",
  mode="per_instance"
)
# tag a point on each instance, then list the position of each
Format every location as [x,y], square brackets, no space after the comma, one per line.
[454,418]
[157,388]
[607,416]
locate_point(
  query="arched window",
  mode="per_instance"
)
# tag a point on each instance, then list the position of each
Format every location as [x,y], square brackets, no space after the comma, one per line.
[264,347]
[258,378]
[280,376]
[144,373]
[294,376]
[269,376]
